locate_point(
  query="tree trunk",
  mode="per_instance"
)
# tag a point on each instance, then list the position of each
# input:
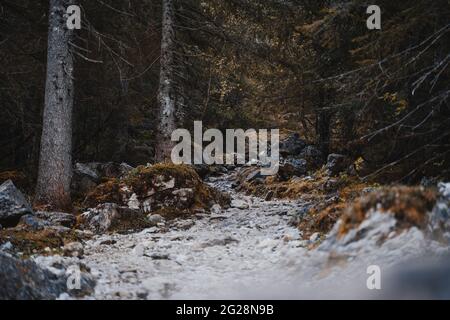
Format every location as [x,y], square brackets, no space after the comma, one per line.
[55,161]
[166,96]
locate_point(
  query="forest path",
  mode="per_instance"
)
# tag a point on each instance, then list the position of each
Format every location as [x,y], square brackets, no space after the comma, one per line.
[238,253]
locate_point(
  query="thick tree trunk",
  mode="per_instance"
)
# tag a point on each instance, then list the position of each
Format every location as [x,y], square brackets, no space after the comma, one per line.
[167,96]
[55,162]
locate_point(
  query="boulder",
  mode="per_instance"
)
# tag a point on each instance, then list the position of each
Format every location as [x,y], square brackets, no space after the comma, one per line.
[439,220]
[162,187]
[25,280]
[184,197]
[73,249]
[13,205]
[154,219]
[313,157]
[336,163]
[181,199]
[239,204]
[31,222]
[58,218]
[86,176]
[7,247]
[292,167]
[390,212]
[292,145]
[114,170]
[133,202]
[78,281]
[98,170]
[112,217]
[205,171]
[42,220]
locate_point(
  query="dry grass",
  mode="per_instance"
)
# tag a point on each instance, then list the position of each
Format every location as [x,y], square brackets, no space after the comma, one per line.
[331,196]
[409,205]
[321,220]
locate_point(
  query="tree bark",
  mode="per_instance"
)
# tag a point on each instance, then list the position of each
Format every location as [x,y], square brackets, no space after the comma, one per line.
[167,94]
[55,161]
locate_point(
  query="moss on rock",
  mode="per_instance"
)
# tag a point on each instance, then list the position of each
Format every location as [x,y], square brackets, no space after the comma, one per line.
[167,187]
[409,205]
[107,192]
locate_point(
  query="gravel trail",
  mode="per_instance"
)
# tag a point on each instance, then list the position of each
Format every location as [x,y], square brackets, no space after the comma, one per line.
[221,255]
[253,251]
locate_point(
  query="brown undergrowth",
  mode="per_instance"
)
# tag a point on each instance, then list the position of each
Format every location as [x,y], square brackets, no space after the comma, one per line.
[19,179]
[328,196]
[409,205]
[349,198]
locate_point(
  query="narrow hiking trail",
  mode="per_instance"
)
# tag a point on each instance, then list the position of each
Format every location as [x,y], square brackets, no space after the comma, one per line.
[210,256]
[252,251]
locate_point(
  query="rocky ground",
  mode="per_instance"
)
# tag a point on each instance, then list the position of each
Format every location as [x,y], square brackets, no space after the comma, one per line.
[253,250]
[207,256]
[316,230]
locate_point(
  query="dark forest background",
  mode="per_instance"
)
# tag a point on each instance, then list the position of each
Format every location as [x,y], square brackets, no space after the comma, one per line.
[307,66]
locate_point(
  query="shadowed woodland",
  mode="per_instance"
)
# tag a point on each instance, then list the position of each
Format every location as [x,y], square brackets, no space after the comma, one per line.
[86,115]
[311,67]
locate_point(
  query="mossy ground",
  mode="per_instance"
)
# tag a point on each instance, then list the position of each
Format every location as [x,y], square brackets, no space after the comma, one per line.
[36,242]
